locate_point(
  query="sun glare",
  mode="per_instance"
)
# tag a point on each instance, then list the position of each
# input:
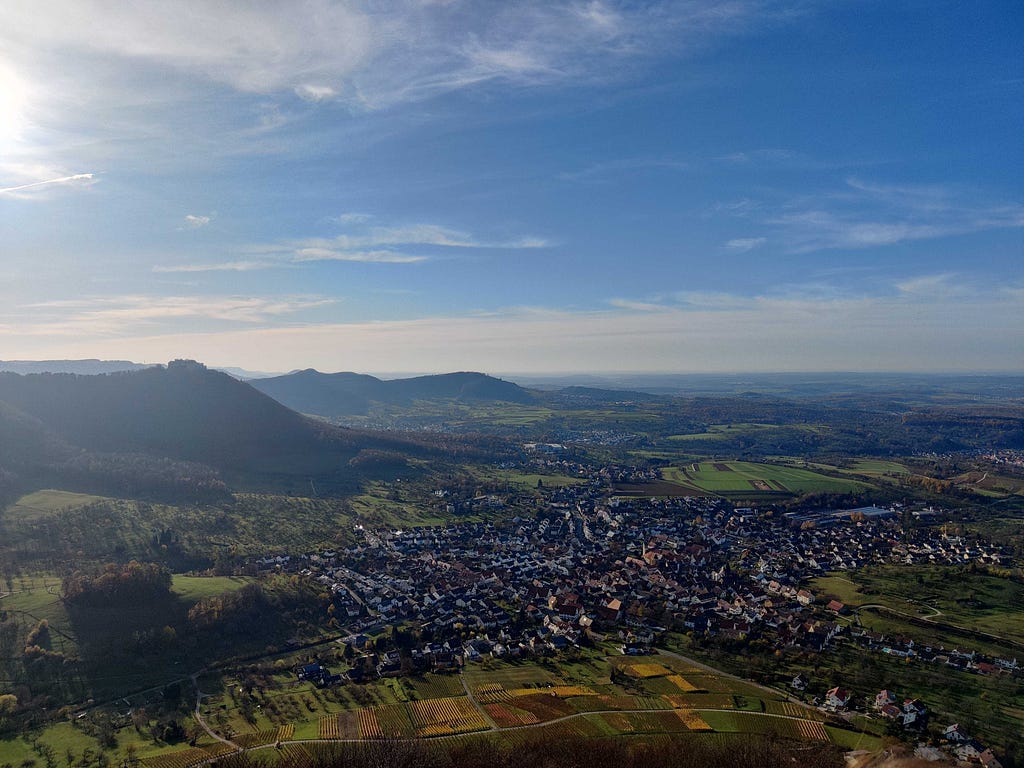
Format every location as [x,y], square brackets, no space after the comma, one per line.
[13,100]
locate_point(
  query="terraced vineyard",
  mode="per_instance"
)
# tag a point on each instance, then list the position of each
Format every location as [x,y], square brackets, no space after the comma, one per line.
[444,717]
[663,695]
[269,736]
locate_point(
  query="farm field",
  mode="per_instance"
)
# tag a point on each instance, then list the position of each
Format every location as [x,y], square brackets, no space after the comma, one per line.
[737,478]
[516,699]
[979,602]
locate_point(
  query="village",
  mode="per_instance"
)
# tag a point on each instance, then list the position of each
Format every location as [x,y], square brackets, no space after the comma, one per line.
[591,567]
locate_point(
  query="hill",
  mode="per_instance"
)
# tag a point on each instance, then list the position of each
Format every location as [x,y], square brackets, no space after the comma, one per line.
[347,394]
[185,421]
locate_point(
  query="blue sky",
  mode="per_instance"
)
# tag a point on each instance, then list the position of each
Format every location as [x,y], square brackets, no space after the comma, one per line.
[422,185]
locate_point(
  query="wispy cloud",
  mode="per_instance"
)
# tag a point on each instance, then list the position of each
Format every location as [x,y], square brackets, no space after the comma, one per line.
[26,190]
[226,266]
[365,243]
[861,215]
[743,244]
[636,306]
[623,166]
[327,51]
[368,257]
[123,315]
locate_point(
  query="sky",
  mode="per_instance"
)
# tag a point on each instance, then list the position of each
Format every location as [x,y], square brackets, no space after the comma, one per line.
[514,187]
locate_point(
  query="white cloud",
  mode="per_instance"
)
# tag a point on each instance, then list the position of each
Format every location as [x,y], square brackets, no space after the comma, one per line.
[326,50]
[196,222]
[315,93]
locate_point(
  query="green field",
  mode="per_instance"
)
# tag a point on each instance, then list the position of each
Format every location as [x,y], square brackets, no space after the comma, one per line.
[42,504]
[976,601]
[736,478]
[194,588]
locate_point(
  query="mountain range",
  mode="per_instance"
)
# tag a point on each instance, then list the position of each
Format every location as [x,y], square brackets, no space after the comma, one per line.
[332,395]
[184,427]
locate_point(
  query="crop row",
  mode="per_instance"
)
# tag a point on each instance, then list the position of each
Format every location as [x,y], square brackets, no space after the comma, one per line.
[184,759]
[369,728]
[507,716]
[436,717]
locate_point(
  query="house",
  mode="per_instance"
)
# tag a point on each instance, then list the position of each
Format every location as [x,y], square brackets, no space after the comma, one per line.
[798,683]
[311,672]
[988,760]
[837,698]
[611,610]
[804,597]
[884,698]
[836,607]
[956,734]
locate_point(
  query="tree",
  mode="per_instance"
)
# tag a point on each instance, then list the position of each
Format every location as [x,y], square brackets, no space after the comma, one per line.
[8,703]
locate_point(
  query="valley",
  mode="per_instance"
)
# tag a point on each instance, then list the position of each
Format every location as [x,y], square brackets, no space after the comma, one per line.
[578,566]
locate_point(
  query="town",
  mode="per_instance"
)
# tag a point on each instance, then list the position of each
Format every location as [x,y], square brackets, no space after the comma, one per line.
[592,566]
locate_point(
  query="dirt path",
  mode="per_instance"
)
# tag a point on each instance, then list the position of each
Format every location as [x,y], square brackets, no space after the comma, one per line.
[202,723]
[475,703]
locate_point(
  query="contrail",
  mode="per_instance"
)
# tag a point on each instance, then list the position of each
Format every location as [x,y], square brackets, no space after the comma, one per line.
[61,180]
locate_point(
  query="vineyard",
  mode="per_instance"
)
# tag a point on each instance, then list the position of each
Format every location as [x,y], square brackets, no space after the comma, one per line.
[692,720]
[682,684]
[444,717]
[492,693]
[746,722]
[435,686]
[341,726]
[184,759]
[545,706]
[369,728]
[643,670]
[701,701]
[528,701]
[508,716]
[561,691]
[269,736]
[577,727]
[790,709]
[393,720]
[621,702]
[298,756]
[645,722]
